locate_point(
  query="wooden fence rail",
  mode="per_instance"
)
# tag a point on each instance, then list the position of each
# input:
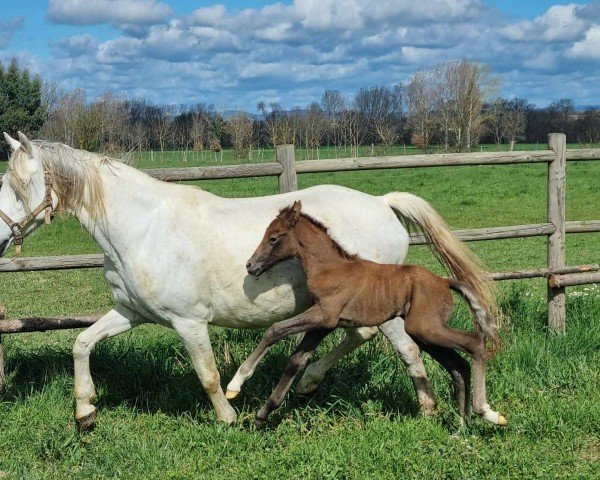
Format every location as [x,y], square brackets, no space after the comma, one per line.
[287,169]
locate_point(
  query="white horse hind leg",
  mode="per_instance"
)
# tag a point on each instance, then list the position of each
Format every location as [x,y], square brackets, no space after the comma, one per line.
[315,372]
[194,335]
[409,352]
[118,320]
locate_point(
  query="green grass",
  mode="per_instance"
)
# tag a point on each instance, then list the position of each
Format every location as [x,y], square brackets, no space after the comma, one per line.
[155,422]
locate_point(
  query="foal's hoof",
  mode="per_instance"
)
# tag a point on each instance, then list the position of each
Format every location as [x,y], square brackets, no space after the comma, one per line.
[259,422]
[86,423]
[502,421]
[230,394]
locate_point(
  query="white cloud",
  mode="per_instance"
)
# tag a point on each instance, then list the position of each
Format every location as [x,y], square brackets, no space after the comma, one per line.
[115,12]
[292,52]
[559,23]
[208,16]
[8,28]
[589,47]
[76,46]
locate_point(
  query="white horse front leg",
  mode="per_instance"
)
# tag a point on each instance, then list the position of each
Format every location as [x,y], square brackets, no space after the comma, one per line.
[118,320]
[195,337]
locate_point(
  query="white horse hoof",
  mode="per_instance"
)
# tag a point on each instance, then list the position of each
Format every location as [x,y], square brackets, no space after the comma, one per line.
[229,417]
[86,423]
[306,386]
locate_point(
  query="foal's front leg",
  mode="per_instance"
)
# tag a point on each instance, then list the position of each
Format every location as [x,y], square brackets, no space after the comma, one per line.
[295,364]
[300,323]
[315,372]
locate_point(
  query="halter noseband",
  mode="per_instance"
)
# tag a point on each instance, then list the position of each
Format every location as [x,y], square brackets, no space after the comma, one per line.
[17,228]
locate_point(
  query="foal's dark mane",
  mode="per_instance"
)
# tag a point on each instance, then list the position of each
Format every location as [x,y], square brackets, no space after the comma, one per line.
[339,249]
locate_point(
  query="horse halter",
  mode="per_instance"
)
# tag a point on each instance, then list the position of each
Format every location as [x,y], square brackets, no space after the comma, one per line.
[17,228]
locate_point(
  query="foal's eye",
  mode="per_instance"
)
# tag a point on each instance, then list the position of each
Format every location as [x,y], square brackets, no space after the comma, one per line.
[273,240]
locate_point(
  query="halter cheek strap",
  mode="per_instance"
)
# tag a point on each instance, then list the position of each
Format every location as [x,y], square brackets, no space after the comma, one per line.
[17,228]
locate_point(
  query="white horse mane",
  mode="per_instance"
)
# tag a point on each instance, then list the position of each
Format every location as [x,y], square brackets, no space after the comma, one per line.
[75,176]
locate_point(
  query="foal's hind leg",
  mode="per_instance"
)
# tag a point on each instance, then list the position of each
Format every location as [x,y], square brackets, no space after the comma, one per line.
[297,361]
[430,329]
[473,343]
[480,404]
[460,370]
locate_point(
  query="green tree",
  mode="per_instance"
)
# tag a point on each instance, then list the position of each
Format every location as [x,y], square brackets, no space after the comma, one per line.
[21,106]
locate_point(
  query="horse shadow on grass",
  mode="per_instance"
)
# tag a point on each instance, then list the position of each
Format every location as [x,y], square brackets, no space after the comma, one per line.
[160,379]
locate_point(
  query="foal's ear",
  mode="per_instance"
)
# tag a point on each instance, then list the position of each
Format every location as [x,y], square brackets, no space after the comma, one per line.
[297,207]
[295,212]
[292,214]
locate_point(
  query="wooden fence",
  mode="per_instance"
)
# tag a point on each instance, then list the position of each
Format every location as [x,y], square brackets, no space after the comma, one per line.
[558,274]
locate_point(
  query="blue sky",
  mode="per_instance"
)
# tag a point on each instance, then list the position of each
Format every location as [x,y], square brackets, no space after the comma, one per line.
[236,53]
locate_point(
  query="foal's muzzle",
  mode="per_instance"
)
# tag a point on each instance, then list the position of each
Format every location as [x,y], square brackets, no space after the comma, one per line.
[254,269]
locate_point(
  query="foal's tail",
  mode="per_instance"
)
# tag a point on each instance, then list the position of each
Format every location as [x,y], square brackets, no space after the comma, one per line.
[481,315]
[453,254]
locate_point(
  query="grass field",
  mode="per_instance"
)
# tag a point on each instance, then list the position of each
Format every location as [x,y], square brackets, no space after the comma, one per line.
[155,421]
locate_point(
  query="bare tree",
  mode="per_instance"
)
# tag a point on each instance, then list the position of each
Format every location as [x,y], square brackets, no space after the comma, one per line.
[62,121]
[313,125]
[470,84]
[495,118]
[382,109]
[421,99]
[588,125]
[280,127]
[139,136]
[354,129]
[162,124]
[333,104]
[561,112]
[113,114]
[309,125]
[51,96]
[513,124]
[239,128]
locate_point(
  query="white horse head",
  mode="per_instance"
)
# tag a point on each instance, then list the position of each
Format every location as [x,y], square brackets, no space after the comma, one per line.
[23,189]
[36,166]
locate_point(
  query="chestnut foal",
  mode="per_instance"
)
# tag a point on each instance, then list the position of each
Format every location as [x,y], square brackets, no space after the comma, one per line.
[350,292]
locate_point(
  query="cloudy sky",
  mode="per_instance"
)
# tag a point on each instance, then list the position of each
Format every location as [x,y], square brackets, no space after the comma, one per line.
[235,53]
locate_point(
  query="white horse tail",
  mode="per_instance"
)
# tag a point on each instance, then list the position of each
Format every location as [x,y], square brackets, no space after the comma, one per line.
[453,254]
[481,316]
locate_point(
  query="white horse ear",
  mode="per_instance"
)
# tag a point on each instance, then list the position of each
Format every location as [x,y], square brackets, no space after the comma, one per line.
[25,143]
[14,144]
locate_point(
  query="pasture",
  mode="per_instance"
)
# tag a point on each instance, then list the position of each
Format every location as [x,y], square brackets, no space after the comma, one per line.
[156,422]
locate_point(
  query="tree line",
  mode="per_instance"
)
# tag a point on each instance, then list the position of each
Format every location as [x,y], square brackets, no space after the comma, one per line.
[451,105]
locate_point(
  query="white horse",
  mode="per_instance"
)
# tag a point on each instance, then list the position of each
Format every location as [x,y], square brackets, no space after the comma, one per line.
[175,255]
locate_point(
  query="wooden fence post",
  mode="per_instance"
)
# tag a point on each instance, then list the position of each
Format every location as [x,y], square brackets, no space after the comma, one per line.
[557,142]
[2,313]
[288,181]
